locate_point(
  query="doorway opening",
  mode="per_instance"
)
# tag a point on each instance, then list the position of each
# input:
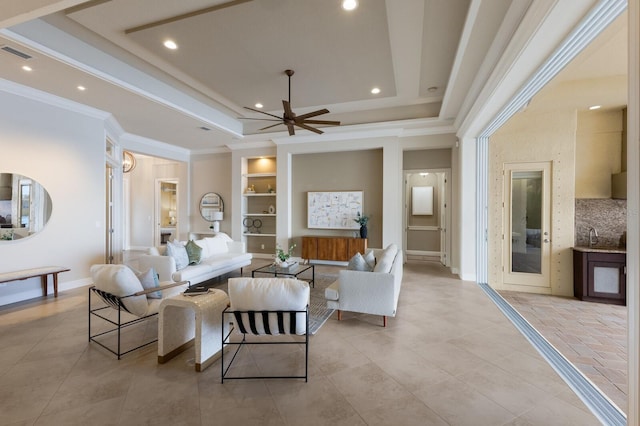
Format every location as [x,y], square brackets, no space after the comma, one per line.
[166,211]
[427,215]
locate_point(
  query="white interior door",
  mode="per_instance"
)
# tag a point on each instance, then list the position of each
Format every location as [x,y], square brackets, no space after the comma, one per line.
[526,238]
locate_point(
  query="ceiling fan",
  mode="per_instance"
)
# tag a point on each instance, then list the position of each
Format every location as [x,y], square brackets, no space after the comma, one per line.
[290,119]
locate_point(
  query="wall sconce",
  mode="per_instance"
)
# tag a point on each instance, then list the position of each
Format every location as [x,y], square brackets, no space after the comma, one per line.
[216,217]
[128,161]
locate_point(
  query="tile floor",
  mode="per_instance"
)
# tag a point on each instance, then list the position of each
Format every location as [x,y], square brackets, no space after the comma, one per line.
[593,336]
[448,358]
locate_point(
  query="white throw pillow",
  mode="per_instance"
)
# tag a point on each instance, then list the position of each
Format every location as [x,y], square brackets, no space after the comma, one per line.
[178,251]
[205,248]
[149,279]
[386,260]
[217,244]
[358,263]
[120,280]
[370,258]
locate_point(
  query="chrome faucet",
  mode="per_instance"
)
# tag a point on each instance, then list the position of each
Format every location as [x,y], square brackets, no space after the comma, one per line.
[593,237]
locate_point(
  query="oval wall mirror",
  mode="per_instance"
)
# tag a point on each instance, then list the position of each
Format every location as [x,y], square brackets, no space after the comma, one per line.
[25,207]
[211,207]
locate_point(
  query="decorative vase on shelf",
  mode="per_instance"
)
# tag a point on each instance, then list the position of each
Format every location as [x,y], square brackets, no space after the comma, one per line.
[363,231]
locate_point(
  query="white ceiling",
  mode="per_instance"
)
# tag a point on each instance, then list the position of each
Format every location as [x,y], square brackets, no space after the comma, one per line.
[423,54]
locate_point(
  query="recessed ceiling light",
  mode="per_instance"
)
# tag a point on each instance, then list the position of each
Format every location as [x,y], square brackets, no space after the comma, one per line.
[349,4]
[82,88]
[595,107]
[259,105]
[170,44]
[375,90]
[27,68]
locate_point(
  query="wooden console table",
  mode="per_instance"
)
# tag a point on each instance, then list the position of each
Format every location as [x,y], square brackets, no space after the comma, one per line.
[42,272]
[332,248]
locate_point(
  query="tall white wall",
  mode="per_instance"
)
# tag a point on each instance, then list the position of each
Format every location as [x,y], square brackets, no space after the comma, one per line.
[65,152]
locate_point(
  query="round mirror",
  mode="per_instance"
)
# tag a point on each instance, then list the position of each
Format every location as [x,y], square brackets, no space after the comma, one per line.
[211,207]
[25,206]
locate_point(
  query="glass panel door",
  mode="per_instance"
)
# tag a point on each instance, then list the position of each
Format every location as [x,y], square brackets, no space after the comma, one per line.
[526,238]
[526,216]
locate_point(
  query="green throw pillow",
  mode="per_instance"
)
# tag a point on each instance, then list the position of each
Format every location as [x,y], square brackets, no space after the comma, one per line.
[194,251]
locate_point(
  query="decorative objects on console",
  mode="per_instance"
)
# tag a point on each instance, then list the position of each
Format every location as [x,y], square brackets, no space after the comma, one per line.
[362,220]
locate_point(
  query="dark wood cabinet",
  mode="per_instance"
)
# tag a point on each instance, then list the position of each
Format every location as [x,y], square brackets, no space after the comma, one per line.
[600,276]
[332,248]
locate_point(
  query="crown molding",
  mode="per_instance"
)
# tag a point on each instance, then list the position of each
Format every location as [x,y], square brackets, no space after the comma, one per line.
[153,147]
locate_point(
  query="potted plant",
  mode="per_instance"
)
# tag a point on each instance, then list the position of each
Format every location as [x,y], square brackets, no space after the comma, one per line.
[282,257]
[362,220]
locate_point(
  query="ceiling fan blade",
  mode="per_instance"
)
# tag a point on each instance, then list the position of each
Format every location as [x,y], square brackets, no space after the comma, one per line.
[259,119]
[268,127]
[314,130]
[262,112]
[331,123]
[288,113]
[291,129]
[314,113]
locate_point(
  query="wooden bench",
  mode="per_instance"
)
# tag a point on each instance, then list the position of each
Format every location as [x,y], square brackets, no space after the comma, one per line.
[42,272]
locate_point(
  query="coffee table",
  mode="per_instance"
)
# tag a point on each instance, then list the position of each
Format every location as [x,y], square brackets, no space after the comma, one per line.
[293,271]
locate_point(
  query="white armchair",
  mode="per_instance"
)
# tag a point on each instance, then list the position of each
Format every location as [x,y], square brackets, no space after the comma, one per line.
[267,306]
[375,292]
[118,288]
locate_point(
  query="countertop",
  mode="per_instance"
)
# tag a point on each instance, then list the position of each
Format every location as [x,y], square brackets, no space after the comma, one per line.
[599,249]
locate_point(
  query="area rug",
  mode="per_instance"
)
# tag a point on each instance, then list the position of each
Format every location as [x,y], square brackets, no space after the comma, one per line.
[318,311]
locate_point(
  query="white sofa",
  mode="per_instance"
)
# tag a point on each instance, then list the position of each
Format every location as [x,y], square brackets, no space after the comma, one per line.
[220,255]
[375,292]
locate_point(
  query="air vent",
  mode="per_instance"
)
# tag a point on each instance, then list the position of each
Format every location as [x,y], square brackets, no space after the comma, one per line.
[16,52]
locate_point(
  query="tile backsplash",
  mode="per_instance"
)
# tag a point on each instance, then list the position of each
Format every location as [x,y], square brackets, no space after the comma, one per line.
[606,215]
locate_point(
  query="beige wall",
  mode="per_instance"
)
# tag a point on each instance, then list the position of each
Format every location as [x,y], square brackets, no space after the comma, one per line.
[338,171]
[211,173]
[427,158]
[598,152]
[533,136]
